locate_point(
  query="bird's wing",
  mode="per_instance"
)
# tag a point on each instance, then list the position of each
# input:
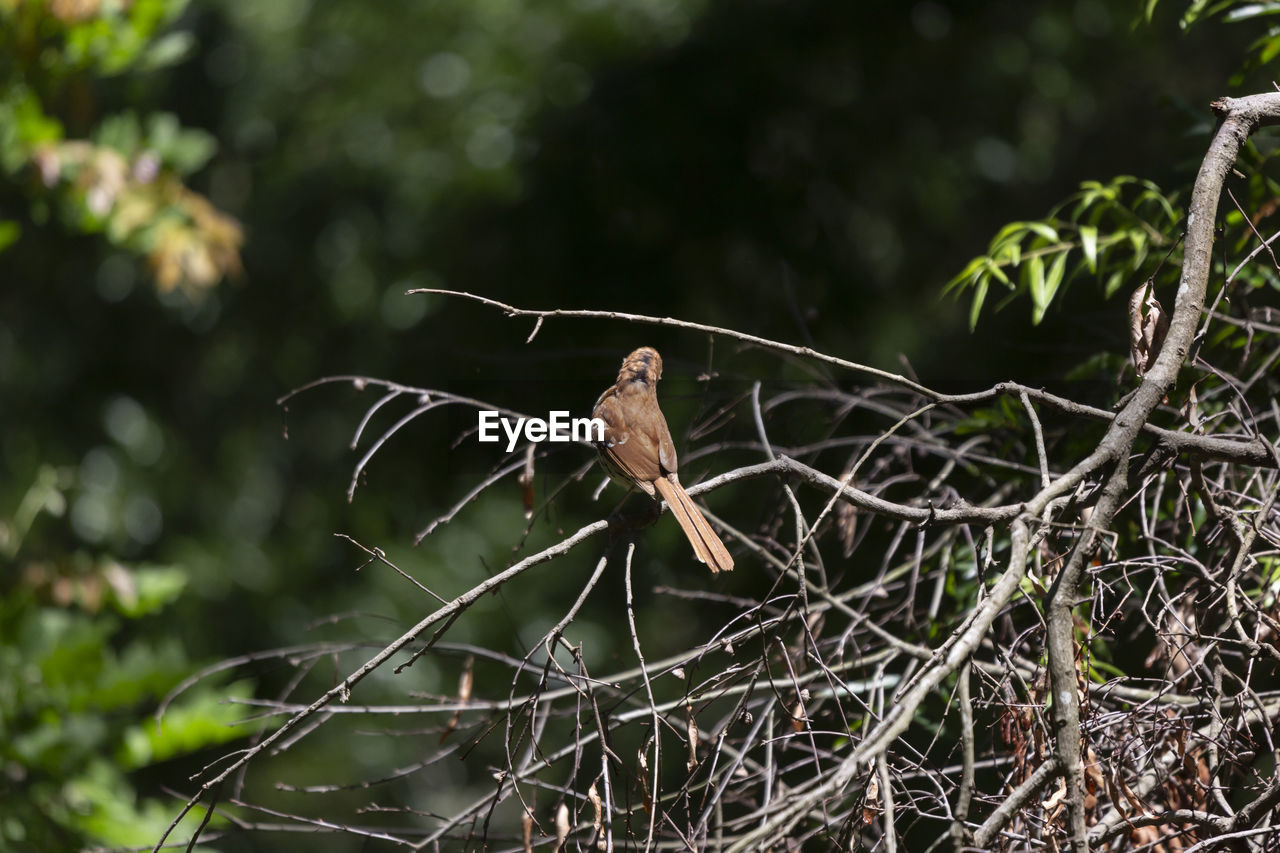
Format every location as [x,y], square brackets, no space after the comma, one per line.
[629,445]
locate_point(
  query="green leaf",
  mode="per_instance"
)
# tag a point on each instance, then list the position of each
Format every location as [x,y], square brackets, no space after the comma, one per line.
[1044,230]
[204,717]
[1035,283]
[140,670]
[1055,274]
[109,810]
[182,149]
[1251,10]
[121,132]
[1099,670]
[979,294]
[1089,243]
[167,50]
[966,276]
[154,587]
[1153,194]
[994,269]
[1138,239]
[1010,233]
[1267,48]
[1054,277]
[1114,281]
[1013,254]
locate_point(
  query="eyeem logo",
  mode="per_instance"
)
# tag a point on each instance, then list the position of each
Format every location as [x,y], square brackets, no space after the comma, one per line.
[558,427]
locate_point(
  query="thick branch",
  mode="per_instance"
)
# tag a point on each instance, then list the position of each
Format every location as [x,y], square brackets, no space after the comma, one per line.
[1239,118]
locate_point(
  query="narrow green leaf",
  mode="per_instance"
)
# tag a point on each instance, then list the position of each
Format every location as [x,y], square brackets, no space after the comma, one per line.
[1138,239]
[1251,10]
[1011,233]
[1015,253]
[994,269]
[1153,195]
[1044,230]
[979,294]
[1266,47]
[1113,283]
[1085,200]
[1054,277]
[169,49]
[967,275]
[1089,242]
[1035,283]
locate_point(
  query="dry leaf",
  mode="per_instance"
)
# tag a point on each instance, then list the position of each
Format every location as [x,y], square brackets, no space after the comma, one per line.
[692,730]
[1053,805]
[1146,837]
[1193,409]
[1148,325]
[1131,797]
[562,825]
[1113,792]
[871,805]
[597,821]
[526,483]
[797,714]
[1268,207]
[846,516]
[646,796]
[1093,777]
[465,681]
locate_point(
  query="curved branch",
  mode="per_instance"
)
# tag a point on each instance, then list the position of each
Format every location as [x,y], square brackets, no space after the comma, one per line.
[1239,119]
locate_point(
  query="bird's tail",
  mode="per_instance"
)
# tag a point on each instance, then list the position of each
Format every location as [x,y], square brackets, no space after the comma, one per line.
[707,546]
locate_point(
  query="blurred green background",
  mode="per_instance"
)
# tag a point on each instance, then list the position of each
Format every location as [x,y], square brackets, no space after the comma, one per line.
[205,205]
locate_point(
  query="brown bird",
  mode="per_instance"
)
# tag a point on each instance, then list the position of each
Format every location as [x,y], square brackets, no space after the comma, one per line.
[637,451]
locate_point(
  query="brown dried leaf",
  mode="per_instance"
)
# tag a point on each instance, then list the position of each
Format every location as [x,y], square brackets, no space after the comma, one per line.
[1053,805]
[597,820]
[1130,796]
[1112,791]
[467,679]
[846,517]
[526,483]
[465,683]
[692,730]
[646,796]
[1267,208]
[797,715]
[1149,838]
[562,825]
[1193,409]
[1148,325]
[871,805]
[1093,778]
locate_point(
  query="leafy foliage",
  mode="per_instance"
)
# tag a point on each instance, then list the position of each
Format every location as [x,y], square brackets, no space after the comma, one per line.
[76,679]
[1107,230]
[1263,50]
[80,667]
[1114,227]
[125,180]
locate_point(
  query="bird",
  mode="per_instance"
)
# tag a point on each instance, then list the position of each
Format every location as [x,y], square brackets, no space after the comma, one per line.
[637,451]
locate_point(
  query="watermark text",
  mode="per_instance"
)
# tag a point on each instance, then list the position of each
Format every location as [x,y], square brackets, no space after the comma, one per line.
[557,427]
